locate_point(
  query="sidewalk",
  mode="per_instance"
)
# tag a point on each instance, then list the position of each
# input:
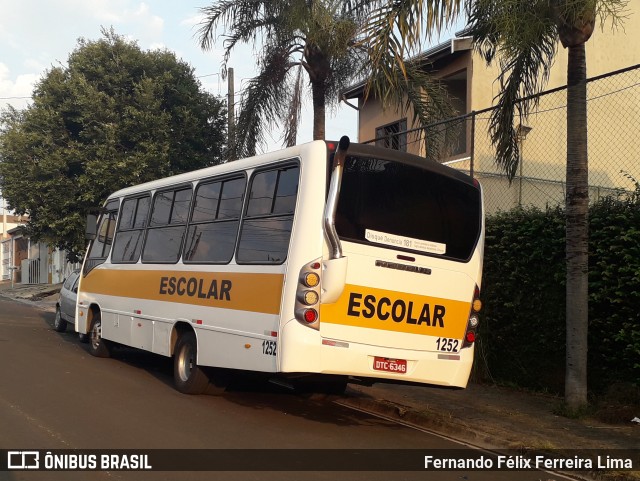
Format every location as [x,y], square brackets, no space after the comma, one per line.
[493,417]
[481,415]
[43,296]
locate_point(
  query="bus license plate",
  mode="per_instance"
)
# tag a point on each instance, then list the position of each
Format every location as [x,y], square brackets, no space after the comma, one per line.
[390,365]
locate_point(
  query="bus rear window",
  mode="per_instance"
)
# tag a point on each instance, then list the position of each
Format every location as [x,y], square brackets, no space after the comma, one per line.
[404,207]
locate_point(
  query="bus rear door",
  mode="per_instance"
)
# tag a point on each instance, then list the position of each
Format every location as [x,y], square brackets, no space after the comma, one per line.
[412,237]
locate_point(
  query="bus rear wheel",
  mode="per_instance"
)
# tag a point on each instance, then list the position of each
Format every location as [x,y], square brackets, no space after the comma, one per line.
[98,346]
[189,378]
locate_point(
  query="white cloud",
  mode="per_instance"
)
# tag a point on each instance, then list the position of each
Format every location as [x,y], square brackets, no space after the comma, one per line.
[157,46]
[192,21]
[34,65]
[16,92]
[142,17]
[37,35]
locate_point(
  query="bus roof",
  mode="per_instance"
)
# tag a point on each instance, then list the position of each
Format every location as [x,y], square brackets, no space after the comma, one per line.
[317,147]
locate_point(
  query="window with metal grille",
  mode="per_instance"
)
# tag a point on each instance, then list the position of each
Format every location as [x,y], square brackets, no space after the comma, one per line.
[393,136]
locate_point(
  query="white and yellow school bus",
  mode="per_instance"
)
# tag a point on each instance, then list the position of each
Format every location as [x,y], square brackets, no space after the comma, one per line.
[356,262]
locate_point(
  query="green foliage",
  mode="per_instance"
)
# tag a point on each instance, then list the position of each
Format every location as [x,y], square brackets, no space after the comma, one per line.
[286,35]
[113,117]
[522,37]
[336,44]
[614,282]
[523,329]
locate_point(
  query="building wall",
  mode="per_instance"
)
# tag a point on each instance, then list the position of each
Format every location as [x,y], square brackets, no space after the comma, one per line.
[606,51]
[613,110]
[5,259]
[372,114]
[8,222]
[613,115]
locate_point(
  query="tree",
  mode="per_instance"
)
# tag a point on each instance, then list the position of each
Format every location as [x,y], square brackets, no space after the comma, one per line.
[524,35]
[113,117]
[335,44]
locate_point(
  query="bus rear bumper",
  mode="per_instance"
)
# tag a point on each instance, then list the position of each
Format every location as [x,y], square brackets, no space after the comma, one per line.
[313,353]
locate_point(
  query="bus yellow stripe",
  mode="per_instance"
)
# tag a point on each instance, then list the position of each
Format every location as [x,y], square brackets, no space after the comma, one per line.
[240,291]
[397,311]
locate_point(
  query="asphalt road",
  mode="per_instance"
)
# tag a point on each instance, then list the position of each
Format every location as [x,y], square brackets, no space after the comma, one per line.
[54,395]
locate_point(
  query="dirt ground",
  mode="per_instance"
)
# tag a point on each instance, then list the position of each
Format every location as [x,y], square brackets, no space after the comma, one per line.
[499,417]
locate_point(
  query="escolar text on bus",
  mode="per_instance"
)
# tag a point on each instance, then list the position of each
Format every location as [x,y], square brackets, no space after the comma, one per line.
[194,287]
[398,310]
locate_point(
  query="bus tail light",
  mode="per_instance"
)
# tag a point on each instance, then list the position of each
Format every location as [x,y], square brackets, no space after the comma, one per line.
[310,279]
[310,316]
[308,295]
[473,322]
[308,298]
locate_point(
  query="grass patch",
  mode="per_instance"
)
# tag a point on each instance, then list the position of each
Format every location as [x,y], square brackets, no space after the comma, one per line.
[619,404]
[563,409]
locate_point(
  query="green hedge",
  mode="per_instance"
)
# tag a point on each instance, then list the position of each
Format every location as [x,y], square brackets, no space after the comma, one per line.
[522,335]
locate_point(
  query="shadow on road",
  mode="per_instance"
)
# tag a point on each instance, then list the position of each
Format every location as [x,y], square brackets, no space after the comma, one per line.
[251,390]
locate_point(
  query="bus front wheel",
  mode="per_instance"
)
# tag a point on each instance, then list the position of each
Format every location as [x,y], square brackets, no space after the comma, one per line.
[189,378]
[98,346]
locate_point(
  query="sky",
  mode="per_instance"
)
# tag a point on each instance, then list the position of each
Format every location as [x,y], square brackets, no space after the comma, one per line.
[38,34]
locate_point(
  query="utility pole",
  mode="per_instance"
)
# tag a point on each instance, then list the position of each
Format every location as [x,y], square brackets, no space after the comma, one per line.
[4,218]
[231,117]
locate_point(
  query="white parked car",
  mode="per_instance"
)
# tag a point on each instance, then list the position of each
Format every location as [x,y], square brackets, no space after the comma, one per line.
[66,305]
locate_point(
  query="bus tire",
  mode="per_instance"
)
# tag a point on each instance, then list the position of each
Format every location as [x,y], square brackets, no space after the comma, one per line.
[98,346]
[59,324]
[189,378]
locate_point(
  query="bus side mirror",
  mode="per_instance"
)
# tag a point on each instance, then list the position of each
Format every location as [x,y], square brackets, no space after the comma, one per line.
[92,227]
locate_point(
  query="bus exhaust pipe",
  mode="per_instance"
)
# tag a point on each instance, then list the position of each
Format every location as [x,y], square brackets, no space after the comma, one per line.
[335,267]
[332,199]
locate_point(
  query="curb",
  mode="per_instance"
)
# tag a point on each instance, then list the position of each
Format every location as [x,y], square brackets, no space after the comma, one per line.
[30,302]
[431,420]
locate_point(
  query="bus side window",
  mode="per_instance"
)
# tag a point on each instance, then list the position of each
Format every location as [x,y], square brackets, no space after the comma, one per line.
[101,245]
[133,219]
[266,226]
[213,230]
[167,226]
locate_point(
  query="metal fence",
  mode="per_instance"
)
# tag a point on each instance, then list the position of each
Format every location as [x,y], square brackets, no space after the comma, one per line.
[32,272]
[613,108]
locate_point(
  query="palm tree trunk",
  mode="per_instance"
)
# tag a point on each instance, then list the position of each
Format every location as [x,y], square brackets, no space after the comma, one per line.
[318,94]
[577,211]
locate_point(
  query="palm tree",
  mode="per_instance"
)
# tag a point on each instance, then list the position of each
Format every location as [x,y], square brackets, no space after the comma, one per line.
[524,35]
[332,44]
